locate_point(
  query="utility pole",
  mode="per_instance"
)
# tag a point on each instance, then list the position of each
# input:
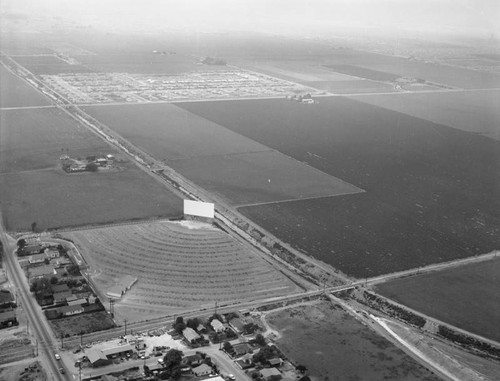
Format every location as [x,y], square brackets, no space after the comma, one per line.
[125,320]
[215,311]
[62,340]
[111,310]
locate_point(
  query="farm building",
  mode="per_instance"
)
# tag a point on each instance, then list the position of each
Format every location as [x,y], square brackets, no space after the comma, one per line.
[217,325]
[202,370]
[6,299]
[97,358]
[190,335]
[271,374]
[8,318]
[70,310]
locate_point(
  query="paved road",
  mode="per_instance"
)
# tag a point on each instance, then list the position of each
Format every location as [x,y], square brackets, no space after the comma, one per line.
[47,345]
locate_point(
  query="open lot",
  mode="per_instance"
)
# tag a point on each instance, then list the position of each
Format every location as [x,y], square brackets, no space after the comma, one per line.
[335,346]
[177,266]
[89,322]
[475,111]
[54,199]
[36,138]
[14,92]
[430,189]
[464,296]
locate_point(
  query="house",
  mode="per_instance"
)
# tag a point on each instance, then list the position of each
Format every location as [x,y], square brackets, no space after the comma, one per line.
[237,324]
[193,360]
[270,374]
[52,313]
[8,318]
[97,358]
[275,362]
[202,370]
[52,253]
[201,328]
[241,349]
[71,310]
[217,325]
[190,335]
[6,299]
[74,301]
[37,258]
[41,271]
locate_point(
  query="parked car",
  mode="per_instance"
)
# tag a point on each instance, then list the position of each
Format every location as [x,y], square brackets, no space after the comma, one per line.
[61,370]
[57,356]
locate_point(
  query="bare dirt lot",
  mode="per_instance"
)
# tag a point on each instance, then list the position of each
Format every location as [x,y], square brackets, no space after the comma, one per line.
[335,346]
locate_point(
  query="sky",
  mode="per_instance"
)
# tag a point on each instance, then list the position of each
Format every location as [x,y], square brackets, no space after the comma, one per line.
[461,17]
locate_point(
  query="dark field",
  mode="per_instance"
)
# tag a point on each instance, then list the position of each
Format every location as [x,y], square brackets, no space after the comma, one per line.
[14,92]
[465,296]
[34,139]
[90,322]
[332,345]
[260,177]
[54,199]
[431,189]
[352,86]
[363,72]
[476,111]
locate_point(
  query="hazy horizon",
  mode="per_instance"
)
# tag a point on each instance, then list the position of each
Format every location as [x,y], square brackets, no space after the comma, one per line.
[438,17]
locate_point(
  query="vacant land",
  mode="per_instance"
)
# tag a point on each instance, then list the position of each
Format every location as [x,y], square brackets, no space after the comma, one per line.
[475,111]
[335,346]
[89,322]
[178,266]
[54,199]
[260,177]
[464,296]
[36,138]
[430,189]
[14,92]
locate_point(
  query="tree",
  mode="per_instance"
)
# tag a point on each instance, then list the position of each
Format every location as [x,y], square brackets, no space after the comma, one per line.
[259,339]
[179,327]
[193,323]
[92,167]
[301,368]
[227,346]
[33,227]
[53,280]
[21,243]
[73,269]
[172,358]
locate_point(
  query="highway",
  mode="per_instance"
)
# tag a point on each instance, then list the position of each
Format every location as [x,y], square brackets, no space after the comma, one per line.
[47,344]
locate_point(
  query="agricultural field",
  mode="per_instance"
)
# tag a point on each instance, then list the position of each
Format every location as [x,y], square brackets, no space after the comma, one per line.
[475,111]
[430,189]
[260,177]
[54,199]
[354,86]
[35,139]
[332,345]
[33,187]
[14,92]
[464,296]
[235,168]
[178,266]
[362,72]
[168,132]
